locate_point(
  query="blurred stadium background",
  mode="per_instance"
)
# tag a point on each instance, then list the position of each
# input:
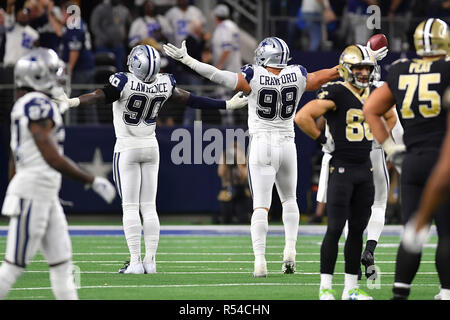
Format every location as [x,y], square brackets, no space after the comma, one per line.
[190,193]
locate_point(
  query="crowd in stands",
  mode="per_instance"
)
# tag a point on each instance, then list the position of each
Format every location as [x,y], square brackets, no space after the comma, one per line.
[95,37]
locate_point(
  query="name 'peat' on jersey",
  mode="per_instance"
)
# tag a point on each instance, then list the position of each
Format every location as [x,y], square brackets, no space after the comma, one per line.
[351,134]
[136,108]
[34,178]
[274,98]
[418,86]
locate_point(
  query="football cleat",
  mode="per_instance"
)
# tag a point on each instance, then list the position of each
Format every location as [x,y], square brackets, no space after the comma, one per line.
[149,265]
[355,294]
[289,262]
[260,270]
[327,294]
[368,260]
[438,296]
[135,268]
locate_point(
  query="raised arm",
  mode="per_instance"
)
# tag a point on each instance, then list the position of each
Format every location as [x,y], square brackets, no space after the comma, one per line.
[231,80]
[315,80]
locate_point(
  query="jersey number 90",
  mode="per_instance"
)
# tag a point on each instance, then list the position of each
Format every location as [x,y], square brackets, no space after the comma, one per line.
[137,109]
[268,103]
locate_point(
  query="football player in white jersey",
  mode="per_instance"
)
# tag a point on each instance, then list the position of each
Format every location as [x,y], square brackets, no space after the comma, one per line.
[380,176]
[37,220]
[137,97]
[274,90]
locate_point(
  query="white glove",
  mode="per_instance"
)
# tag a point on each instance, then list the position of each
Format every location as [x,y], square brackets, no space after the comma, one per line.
[179,54]
[378,54]
[413,240]
[72,102]
[329,145]
[104,189]
[395,152]
[238,101]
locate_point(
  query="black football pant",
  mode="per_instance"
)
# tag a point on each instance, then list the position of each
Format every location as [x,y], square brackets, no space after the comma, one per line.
[416,169]
[350,196]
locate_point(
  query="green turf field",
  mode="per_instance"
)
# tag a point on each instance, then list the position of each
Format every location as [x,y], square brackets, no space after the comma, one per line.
[214,268]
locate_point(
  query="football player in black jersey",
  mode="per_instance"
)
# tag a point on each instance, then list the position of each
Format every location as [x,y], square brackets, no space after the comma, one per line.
[350,191]
[416,86]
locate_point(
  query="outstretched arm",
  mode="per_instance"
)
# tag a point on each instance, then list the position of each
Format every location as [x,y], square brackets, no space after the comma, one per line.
[231,80]
[315,80]
[184,97]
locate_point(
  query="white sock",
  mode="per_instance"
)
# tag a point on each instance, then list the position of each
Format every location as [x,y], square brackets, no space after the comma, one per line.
[445,294]
[376,223]
[291,218]
[258,229]
[350,282]
[132,228]
[326,281]
[63,285]
[151,231]
[9,273]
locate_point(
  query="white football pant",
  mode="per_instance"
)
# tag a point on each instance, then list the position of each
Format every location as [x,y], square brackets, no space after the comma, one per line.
[135,173]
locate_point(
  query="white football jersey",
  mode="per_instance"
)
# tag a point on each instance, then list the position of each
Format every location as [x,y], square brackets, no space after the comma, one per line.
[34,178]
[226,38]
[180,20]
[135,112]
[274,98]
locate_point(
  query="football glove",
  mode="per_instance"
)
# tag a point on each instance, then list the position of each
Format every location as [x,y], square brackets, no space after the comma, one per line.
[104,189]
[179,54]
[395,152]
[238,101]
[412,239]
[71,102]
[378,54]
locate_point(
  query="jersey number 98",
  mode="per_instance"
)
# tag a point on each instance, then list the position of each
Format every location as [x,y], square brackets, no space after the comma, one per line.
[268,103]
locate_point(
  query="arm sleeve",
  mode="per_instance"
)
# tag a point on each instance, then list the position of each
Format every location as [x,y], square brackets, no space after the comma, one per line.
[226,78]
[205,103]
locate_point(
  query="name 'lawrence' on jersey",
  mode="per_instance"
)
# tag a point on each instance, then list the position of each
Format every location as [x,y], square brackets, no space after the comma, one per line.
[34,178]
[136,109]
[274,98]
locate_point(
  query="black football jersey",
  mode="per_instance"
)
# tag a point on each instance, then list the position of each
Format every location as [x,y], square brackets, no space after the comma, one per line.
[418,87]
[351,134]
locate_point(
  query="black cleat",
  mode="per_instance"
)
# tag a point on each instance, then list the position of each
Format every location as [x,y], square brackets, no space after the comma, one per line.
[368,262]
[359,273]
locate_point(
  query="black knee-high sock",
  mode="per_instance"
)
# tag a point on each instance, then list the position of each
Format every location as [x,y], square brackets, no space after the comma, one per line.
[329,252]
[406,268]
[371,245]
[443,261]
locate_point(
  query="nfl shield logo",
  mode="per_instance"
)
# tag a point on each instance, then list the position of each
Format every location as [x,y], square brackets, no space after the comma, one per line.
[341,170]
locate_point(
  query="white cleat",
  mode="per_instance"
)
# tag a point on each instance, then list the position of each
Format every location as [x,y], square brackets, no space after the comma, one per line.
[289,266]
[260,270]
[135,268]
[438,296]
[150,267]
[355,294]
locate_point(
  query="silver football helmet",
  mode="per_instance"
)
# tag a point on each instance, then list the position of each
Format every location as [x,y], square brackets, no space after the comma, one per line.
[40,70]
[144,62]
[272,52]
